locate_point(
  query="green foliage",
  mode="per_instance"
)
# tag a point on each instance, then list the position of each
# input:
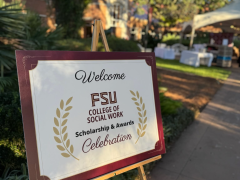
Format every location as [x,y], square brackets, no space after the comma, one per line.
[115,44]
[69,15]
[129,175]
[34,35]
[212,72]
[37,34]
[237,43]
[6,82]
[168,106]
[170,37]
[152,41]
[11,35]
[210,4]
[15,174]
[173,39]
[11,23]
[12,149]
[169,13]
[174,124]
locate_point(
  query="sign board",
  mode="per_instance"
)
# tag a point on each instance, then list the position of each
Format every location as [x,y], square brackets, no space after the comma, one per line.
[88,113]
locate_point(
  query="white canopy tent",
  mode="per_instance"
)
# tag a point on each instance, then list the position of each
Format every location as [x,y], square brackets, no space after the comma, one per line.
[227,18]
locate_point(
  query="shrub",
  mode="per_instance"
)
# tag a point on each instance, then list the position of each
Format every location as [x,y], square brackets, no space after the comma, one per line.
[12,149]
[15,174]
[115,44]
[168,106]
[174,124]
[22,32]
[171,39]
[237,43]
[11,37]
[37,33]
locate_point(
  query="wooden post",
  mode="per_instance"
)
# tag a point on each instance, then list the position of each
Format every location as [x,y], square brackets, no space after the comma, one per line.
[96,30]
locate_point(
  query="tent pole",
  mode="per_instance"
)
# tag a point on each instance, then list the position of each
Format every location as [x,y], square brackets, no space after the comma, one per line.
[192,33]
[192,37]
[181,37]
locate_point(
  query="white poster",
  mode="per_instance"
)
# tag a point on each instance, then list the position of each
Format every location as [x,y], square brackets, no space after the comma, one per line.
[91,113]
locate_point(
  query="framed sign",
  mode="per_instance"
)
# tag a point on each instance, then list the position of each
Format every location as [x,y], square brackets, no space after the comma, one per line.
[88,113]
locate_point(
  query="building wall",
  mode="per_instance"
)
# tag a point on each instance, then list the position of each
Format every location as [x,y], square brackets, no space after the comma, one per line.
[100,9]
[38,6]
[97,9]
[121,26]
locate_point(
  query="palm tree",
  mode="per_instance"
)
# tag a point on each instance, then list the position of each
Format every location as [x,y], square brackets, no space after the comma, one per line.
[11,37]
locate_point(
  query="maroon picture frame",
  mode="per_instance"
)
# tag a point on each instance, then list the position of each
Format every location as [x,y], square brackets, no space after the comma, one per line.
[27,60]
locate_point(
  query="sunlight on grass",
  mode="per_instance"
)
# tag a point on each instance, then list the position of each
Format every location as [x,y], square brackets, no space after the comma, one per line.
[212,72]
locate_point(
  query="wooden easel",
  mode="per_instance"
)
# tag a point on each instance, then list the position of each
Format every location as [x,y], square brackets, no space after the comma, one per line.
[97,28]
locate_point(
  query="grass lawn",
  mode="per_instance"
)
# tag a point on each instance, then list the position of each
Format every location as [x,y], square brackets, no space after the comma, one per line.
[212,72]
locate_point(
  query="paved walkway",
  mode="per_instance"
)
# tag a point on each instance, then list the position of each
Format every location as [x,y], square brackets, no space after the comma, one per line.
[209,149]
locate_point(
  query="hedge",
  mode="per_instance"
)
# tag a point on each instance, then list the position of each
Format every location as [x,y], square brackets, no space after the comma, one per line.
[115,44]
[12,149]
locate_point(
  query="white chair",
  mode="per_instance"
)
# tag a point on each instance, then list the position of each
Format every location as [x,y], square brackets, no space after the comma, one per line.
[202,50]
[162,45]
[142,49]
[177,52]
[178,48]
[199,47]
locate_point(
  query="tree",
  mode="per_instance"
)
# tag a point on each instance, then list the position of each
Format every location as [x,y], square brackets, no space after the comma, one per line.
[11,37]
[170,13]
[210,5]
[69,15]
[38,34]
[20,31]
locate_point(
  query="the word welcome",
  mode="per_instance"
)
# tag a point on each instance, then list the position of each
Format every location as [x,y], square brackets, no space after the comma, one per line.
[82,75]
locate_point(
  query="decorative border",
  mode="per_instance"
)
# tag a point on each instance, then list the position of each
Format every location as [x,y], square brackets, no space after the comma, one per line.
[25,58]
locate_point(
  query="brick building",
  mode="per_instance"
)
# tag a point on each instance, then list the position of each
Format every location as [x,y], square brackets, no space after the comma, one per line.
[115,15]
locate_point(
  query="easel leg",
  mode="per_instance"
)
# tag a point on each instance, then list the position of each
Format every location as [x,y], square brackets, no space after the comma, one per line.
[97,28]
[141,173]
